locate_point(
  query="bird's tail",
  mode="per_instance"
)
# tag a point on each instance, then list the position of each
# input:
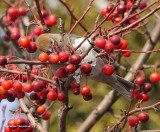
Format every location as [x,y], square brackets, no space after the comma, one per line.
[123,87]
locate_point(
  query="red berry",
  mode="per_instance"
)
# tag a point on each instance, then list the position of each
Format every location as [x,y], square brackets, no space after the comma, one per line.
[64,57]
[44,13]
[24,41]
[147,87]
[38,30]
[136,94]
[75,59]
[115,39]
[140,81]
[17,86]
[54,58]
[75,91]
[46,115]
[144,97]
[43,57]
[20,94]
[117,20]
[37,85]
[51,20]
[86,68]
[85,90]
[133,121]
[143,116]
[107,69]
[28,88]
[70,68]
[61,96]
[100,43]
[32,47]
[104,11]
[20,123]
[124,44]
[7,20]
[13,13]
[109,47]
[110,7]
[33,96]
[52,95]
[133,19]
[61,72]
[22,11]
[14,36]
[142,4]
[2,91]
[3,60]
[87,97]
[75,85]
[41,101]
[5,37]
[129,5]
[126,54]
[7,84]
[154,77]
[121,8]
[7,129]
[12,124]
[40,110]
[42,94]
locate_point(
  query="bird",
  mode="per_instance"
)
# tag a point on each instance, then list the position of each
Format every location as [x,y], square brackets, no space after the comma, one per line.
[47,42]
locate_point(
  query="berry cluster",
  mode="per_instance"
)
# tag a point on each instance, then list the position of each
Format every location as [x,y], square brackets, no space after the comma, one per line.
[18,125]
[114,42]
[121,11]
[142,93]
[133,121]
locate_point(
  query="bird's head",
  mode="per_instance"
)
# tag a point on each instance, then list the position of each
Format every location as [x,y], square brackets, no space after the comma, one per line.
[45,43]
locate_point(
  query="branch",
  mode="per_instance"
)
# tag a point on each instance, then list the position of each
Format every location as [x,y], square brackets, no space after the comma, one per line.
[45,29]
[32,120]
[81,18]
[112,97]
[72,15]
[3,116]
[136,22]
[132,112]
[26,73]
[63,111]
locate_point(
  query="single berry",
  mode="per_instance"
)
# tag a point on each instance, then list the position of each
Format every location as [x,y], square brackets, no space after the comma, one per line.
[24,41]
[100,43]
[43,57]
[85,90]
[107,69]
[154,77]
[86,68]
[143,116]
[133,121]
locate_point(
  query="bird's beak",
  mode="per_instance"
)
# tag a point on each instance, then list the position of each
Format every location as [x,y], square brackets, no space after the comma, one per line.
[49,50]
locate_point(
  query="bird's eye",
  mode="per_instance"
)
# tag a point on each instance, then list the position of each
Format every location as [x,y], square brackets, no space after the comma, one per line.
[51,42]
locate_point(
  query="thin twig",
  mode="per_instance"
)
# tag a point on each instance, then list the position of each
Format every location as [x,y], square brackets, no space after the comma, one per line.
[136,22]
[3,116]
[81,18]
[72,15]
